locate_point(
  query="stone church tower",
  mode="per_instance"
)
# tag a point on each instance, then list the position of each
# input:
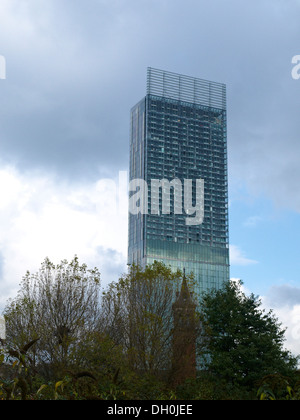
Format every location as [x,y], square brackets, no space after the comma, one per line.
[184,336]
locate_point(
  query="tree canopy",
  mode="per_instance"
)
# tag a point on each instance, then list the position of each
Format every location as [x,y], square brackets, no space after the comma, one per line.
[240,341]
[58,305]
[68,338]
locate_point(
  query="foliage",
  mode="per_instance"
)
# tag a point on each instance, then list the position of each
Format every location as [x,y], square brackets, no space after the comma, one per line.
[20,384]
[278,387]
[137,312]
[66,341]
[244,342]
[210,387]
[58,304]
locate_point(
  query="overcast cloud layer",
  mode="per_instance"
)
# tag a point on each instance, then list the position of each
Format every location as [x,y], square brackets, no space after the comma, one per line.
[74,70]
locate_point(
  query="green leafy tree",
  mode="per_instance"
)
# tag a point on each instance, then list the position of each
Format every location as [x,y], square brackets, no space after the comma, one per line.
[241,343]
[59,306]
[137,312]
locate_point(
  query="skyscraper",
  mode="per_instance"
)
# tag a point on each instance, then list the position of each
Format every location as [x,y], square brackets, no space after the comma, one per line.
[179,133]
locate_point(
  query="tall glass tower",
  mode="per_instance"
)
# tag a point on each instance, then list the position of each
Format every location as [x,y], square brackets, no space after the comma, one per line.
[179,132]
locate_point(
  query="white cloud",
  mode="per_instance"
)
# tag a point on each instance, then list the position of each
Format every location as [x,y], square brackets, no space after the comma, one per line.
[39,218]
[237,257]
[284,300]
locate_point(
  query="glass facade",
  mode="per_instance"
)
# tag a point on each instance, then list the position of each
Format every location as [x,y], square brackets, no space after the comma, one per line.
[179,131]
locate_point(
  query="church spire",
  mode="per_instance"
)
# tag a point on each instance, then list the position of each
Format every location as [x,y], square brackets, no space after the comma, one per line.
[184,336]
[184,297]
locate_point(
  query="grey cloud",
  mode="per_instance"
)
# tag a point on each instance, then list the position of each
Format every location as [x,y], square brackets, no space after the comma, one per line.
[111,263]
[284,295]
[73,79]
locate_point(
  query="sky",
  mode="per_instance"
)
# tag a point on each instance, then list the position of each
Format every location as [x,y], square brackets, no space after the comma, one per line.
[74,69]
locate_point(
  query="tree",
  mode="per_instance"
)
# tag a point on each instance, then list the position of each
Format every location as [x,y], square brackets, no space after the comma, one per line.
[58,305]
[137,312]
[242,342]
